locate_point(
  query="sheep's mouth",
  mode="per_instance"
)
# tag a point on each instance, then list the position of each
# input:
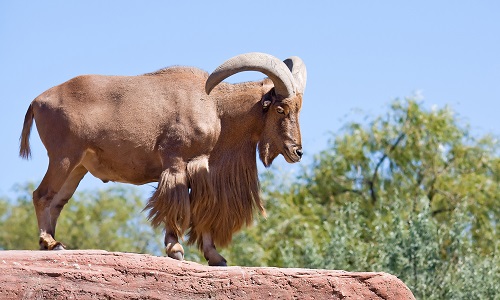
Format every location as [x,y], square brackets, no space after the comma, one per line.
[290,156]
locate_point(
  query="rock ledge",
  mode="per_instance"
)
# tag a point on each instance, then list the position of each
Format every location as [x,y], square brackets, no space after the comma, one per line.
[95,274]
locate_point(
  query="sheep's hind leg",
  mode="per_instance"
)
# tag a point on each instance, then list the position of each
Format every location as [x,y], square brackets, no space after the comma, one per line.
[57,186]
[210,252]
[172,246]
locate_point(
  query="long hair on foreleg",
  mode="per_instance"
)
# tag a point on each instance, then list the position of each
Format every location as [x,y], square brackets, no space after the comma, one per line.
[202,199]
[224,196]
[169,204]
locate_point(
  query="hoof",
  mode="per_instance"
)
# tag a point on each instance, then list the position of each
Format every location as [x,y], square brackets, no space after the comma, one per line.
[175,251]
[221,263]
[60,246]
[176,255]
[47,242]
[214,258]
[54,246]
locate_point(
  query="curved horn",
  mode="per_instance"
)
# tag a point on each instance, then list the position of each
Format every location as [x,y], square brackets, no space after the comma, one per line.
[299,72]
[271,66]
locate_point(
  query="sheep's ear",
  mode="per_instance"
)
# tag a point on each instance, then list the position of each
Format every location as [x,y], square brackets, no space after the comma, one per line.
[268,99]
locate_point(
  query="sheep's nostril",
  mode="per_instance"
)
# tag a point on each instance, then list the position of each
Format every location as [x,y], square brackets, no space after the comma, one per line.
[299,152]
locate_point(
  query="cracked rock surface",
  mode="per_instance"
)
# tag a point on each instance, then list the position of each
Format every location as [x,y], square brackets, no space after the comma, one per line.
[95,274]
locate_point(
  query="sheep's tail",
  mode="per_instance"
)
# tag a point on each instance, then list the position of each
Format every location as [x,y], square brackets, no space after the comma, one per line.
[24,149]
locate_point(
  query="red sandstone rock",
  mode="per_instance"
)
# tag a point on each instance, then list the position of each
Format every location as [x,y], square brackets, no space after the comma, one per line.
[98,274]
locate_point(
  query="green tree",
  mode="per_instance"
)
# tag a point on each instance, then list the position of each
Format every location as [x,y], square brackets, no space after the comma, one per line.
[108,219]
[411,193]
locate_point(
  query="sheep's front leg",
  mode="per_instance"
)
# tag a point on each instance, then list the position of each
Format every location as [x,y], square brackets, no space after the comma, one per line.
[172,246]
[169,205]
[210,253]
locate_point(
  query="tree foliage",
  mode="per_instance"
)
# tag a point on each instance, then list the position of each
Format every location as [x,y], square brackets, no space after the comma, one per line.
[410,192]
[109,219]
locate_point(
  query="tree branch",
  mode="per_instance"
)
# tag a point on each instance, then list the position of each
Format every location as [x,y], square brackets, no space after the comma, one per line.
[371,183]
[442,210]
[432,190]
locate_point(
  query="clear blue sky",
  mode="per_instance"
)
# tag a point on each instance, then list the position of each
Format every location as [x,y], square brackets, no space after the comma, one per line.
[359,54]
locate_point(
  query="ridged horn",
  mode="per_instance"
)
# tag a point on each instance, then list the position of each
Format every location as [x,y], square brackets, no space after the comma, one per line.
[299,72]
[271,66]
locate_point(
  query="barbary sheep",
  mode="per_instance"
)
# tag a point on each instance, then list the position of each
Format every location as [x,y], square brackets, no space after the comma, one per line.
[192,133]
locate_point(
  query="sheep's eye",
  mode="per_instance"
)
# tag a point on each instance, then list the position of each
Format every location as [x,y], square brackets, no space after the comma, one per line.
[280,110]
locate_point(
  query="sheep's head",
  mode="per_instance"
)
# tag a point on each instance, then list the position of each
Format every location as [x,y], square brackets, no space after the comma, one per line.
[281,104]
[281,134]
